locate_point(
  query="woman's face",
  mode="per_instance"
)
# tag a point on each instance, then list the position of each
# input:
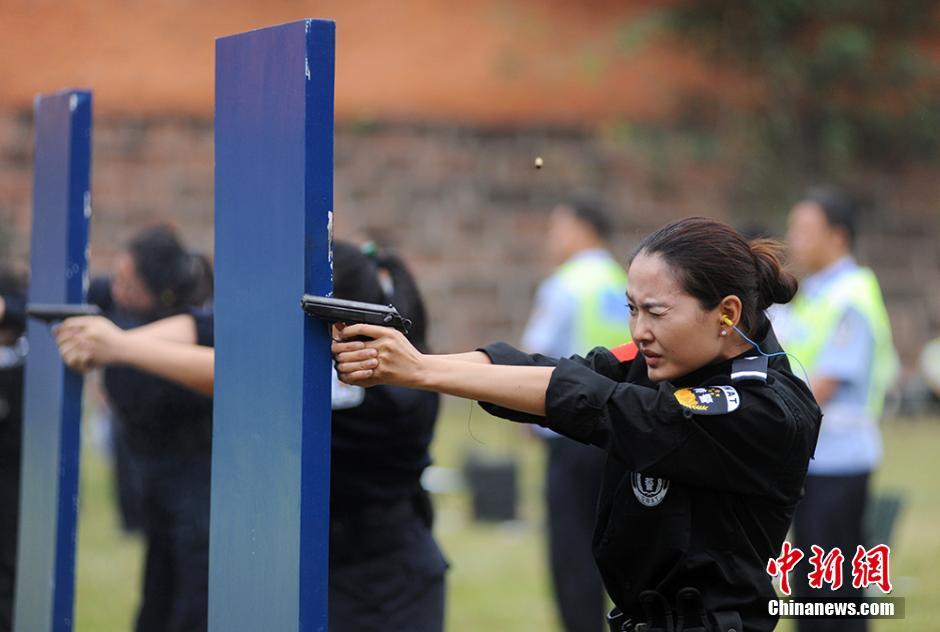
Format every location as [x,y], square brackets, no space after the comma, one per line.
[669,325]
[128,289]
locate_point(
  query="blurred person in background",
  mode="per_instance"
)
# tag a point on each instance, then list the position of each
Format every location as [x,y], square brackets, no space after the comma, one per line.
[386,570]
[152,278]
[162,433]
[12,358]
[838,328]
[579,307]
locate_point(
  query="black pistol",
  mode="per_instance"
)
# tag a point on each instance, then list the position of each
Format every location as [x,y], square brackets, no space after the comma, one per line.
[337,310]
[55,312]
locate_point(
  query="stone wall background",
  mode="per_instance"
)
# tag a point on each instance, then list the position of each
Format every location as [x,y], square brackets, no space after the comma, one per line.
[466,208]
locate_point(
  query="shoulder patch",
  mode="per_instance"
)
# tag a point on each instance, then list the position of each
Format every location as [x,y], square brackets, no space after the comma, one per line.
[709,400]
[625,352]
[750,368]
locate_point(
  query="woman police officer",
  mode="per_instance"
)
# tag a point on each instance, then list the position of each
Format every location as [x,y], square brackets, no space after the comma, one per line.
[708,435]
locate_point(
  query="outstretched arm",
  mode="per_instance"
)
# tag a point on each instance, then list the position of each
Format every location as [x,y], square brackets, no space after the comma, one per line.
[179,328]
[390,359]
[162,348]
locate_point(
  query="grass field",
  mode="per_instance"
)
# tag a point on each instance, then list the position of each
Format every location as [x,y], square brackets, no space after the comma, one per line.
[498,578]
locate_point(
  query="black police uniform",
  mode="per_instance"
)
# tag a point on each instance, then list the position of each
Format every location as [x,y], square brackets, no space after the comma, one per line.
[693,504]
[386,570]
[167,430]
[11,433]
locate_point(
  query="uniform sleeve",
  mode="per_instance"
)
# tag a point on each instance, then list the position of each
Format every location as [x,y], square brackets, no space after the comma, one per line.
[550,325]
[599,359]
[205,327]
[594,408]
[753,450]
[14,312]
[847,355]
[650,432]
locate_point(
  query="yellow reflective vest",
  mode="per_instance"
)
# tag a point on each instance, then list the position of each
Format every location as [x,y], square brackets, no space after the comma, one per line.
[598,285]
[816,318]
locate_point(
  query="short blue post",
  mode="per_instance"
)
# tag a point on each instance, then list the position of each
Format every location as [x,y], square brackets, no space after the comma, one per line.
[271,437]
[45,584]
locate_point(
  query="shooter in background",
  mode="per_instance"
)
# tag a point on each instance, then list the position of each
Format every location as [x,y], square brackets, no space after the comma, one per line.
[152,278]
[162,433]
[838,328]
[579,307]
[12,358]
[386,570]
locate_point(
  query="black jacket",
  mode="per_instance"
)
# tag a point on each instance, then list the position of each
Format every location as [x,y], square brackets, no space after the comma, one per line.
[380,447]
[161,419]
[687,499]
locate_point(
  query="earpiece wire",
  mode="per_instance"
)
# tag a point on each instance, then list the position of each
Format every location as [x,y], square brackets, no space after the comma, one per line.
[771,355]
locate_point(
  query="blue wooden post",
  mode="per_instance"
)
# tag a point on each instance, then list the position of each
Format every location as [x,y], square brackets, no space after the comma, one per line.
[45,582]
[271,442]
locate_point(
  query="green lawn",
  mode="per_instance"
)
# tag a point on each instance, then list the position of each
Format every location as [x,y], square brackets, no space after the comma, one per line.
[498,577]
[109,563]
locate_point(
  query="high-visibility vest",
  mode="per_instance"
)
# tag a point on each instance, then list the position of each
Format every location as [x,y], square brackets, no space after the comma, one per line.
[598,285]
[815,320]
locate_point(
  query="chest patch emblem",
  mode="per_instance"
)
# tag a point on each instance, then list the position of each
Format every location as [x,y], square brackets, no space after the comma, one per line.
[709,400]
[649,490]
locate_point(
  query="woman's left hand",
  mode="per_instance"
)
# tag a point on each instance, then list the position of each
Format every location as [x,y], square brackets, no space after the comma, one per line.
[389,358]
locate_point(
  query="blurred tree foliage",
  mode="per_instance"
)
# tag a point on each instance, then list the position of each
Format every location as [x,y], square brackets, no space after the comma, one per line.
[842,85]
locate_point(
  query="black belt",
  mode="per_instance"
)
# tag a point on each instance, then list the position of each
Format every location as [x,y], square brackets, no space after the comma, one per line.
[688,615]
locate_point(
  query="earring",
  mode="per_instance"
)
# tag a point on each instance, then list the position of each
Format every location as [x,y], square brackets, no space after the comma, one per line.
[724,332]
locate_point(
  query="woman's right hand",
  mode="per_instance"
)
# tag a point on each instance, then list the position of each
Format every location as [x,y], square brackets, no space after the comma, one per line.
[388,358]
[87,342]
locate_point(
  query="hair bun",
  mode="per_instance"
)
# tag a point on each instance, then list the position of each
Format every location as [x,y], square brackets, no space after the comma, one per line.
[775,285]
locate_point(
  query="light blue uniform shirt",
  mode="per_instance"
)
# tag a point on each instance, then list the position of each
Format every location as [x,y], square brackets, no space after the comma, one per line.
[849,440]
[551,327]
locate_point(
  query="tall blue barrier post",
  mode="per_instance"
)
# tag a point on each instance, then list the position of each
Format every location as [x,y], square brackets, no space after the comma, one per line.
[271,437]
[45,583]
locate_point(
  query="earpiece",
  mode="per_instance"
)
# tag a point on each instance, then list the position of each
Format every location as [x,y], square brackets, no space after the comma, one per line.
[725,320]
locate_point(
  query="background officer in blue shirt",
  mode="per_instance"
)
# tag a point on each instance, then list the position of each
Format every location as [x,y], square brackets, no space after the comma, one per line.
[838,328]
[579,307]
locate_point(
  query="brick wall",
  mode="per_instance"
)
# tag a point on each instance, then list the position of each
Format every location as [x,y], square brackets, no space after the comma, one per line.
[465,206]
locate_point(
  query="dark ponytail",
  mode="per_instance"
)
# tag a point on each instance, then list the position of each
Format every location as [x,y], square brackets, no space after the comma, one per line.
[202,280]
[712,261]
[775,285]
[176,278]
[374,275]
[406,297]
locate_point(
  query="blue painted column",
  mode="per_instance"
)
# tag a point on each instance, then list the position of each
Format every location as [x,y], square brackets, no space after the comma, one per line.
[271,436]
[45,583]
